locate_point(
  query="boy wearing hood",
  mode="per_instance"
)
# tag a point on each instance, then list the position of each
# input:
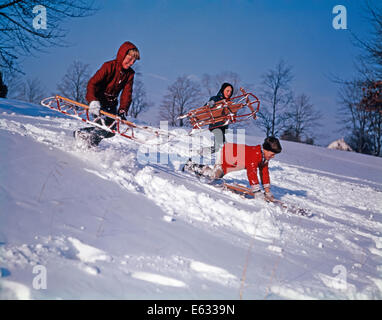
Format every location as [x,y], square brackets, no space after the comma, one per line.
[218,129]
[104,88]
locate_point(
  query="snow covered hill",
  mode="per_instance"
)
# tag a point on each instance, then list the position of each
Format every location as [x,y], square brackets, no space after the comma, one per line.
[103,224]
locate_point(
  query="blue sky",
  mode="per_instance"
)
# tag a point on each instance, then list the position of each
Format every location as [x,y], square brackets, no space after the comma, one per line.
[179,37]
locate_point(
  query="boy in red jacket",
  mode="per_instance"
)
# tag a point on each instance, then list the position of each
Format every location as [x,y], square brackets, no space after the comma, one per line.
[103,89]
[240,156]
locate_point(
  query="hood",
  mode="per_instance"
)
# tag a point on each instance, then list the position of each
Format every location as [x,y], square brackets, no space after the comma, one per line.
[225,85]
[122,51]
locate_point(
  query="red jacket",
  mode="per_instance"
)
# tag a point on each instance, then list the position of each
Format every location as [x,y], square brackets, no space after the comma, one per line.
[240,156]
[110,80]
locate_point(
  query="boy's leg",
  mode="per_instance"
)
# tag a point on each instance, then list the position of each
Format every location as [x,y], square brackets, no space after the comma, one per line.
[219,135]
[193,167]
[100,134]
[94,135]
[218,139]
[108,122]
[216,172]
[85,135]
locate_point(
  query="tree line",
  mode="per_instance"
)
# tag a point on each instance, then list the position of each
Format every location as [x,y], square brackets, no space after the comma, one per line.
[72,85]
[360,98]
[282,113]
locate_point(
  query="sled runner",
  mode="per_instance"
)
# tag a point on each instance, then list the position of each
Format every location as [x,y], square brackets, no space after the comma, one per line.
[236,109]
[124,128]
[237,188]
[242,190]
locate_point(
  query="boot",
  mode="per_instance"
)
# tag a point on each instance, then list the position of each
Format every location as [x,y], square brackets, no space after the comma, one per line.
[87,138]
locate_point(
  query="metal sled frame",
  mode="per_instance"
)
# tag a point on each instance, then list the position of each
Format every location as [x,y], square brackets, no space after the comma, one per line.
[238,189]
[245,191]
[80,111]
[224,111]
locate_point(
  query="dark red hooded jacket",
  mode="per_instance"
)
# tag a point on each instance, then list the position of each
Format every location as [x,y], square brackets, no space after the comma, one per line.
[110,80]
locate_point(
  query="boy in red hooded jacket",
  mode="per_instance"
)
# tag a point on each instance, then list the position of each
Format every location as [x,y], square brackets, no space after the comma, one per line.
[240,156]
[103,89]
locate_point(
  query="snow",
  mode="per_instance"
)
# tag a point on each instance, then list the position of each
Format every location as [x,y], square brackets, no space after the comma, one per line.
[88,253]
[158,279]
[13,290]
[213,273]
[113,223]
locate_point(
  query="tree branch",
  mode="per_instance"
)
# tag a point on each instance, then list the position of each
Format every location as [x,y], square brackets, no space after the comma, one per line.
[3,6]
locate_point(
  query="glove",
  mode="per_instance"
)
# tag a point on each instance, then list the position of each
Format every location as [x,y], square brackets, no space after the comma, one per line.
[122,114]
[94,107]
[268,196]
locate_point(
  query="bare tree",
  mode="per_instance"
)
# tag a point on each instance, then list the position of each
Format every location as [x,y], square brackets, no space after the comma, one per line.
[376,132]
[73,84]
[300,119]
[14,83]
[168,109]
[372,102]
[360,113]
[30,90]
[355,121]
[28,26]
[208,85]
[276,96]
[370,71]
[183,95]
[369,63]
[139,101]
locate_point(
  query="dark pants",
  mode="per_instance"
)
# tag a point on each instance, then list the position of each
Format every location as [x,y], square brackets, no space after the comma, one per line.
[219,138]
[94,135]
